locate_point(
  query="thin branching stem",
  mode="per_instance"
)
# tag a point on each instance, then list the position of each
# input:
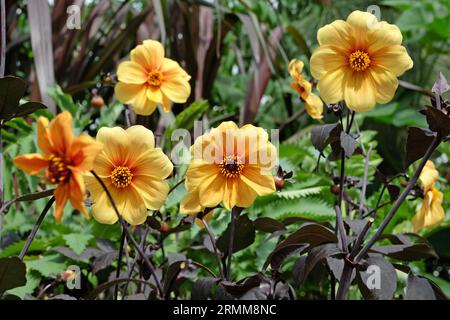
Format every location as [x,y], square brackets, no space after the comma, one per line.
[234,215]
[401,198]
[119,262]
[36,228]
[130,237]
[216,252]
[362,200]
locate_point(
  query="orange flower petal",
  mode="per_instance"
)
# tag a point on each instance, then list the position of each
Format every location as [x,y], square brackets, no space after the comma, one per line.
[60,133]
[31,163]
[78,193]
[42,136]
[84,151]
[62,195]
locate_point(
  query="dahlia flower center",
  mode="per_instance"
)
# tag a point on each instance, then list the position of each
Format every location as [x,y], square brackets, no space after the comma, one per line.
[121,177]
[57,170]
[231,166]
[154,78]
[359,60]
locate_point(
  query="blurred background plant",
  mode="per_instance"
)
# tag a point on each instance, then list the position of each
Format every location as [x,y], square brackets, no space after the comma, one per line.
[237,52]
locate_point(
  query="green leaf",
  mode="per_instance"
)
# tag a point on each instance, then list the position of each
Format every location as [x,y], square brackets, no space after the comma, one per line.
[295,194]
[49,265]
[12,273]
[77,242]
[63,101]
[33,280]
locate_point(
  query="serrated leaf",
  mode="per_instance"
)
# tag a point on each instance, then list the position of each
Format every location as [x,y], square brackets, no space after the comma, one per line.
[77,242]
[295,194]
[49,265]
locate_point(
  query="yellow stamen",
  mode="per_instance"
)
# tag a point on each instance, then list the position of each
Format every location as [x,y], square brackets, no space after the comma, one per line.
[154,78]
[121,177]
[57,170]
[359,60]
[231,167]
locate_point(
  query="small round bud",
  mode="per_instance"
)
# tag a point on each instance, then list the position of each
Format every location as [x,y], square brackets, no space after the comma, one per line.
[335,189]
[279,183]
[164,227]
[97,101]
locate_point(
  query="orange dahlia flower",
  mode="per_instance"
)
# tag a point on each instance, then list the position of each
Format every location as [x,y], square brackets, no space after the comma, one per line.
[359,61]
[150,79]
[313,104]
[65,159]
[133,171]
[229,165]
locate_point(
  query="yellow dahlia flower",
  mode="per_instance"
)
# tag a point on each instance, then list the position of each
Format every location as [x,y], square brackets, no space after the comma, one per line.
[431,212]
[133,171]
[359,61]
[229,165]
[313,104]
[429,175]
[150,79]
[65,160]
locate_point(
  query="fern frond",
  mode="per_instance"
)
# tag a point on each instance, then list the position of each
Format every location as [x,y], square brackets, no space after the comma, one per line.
[301,193]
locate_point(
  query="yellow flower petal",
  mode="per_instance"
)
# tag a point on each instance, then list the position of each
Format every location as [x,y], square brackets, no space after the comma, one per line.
[395,59]
[132,73]
[431,212]
[314,107]
[116,144]
[336,34]
[429,175]
[156,53]
[155,95]
[384,34]
[331,86]
[177,91]
[141,136]
[153,192]
[359,93]
[326,60]
[126,93]
[261,181]
[191,203]
[133,210]
[386,84]
[152,162]
[246,195]
[103,211]
[142,105]
[211,191]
